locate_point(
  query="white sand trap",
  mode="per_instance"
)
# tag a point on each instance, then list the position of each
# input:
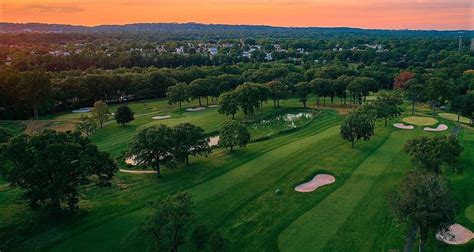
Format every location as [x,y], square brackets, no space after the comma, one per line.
[456,235]
[131,161]
[138,171]
[441,127]
[318,181]
[161,117]
[195,109]
[213,141]
[403,126]
[82,110]
[213,106]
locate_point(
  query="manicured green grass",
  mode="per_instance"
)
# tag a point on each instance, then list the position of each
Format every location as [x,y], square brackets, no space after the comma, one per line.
[420,120]
[454,117]
[469,212]
[234,192]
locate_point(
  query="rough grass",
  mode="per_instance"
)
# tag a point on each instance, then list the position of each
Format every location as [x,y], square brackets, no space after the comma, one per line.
[454,117]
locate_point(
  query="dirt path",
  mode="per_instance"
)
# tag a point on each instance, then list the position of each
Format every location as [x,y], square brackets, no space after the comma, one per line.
[138,171]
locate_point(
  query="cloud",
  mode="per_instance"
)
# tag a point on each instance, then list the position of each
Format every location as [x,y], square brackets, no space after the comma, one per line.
[54,8]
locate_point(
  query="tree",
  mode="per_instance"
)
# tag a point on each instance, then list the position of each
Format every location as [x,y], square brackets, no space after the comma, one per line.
[35,87]
[172,221]
[177,93]
[205,239]
[439,91]
[189,140]
[52,165]
[424,200]
[124,115]
[100,112]
[264,93]
[358,125]
[153,146]
[87,125]
[414,89]
[197,89]
[430,153]
[401,79]
[248,98]
[278,91]
[360,87]
[302,90]
[233,133]
[8,88]
[387,105]
[228,104]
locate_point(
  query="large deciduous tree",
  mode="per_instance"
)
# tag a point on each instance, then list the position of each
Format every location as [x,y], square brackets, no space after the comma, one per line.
[177,94]
[124,115]
[35,87]
[278,91]
[248,97]
[198,89]
[228,104]
[172,221]
[153,146]
[52,165]
[302,90]
[189,140]
[358,125]
[233,133]
[424,200]
[429,153]
[87,125]
[439,91]
[100,112]
[401,79]
[388,104]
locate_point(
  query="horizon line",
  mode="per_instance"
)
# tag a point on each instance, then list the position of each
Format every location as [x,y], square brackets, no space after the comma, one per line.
[228,24]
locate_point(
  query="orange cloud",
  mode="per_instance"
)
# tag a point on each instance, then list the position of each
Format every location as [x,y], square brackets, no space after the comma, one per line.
[413,14]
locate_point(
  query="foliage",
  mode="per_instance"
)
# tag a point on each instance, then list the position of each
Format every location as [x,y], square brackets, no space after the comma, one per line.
[430,153]
[388,105]
[189,140]
[52,165]
[278,91]
[439,91]
[177,93]
[358,125]
[5,135]
[205,239]
[248,97]
[36,89]
[424,200]
[124,115]
[228,104]
[153,147]
[100,112]
[401,79]
[303,89]
[232,134]
[171,223]
[86,125]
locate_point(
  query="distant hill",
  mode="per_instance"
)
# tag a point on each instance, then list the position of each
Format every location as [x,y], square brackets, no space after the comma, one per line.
[228,30]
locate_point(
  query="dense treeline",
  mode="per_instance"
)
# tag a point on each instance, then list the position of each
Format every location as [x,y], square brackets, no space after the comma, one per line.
[20,94]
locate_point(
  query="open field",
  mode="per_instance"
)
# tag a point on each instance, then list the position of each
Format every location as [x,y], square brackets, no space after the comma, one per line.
[235,192]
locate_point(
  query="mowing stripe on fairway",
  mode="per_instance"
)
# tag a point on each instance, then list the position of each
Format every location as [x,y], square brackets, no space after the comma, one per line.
[312,230]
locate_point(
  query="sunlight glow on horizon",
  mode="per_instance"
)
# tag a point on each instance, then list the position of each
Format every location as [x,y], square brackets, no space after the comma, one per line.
[387,14]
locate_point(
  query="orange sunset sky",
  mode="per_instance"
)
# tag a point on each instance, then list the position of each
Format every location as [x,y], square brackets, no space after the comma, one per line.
[418,14]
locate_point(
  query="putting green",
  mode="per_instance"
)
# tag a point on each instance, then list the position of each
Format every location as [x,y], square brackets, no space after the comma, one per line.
[469,212]
[420,120]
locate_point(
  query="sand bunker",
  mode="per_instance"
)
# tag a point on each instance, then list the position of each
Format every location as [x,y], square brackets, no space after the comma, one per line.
[441,127]
[131,161]
[82,110]
[161,117]
[318,181]
[456,235]
[138,171]
[195,109]
[403,126]
[213,106]
[213,141]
